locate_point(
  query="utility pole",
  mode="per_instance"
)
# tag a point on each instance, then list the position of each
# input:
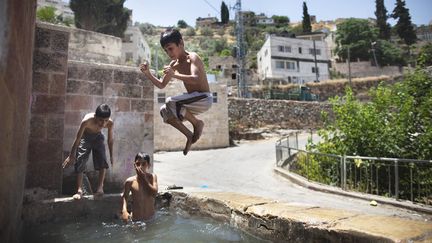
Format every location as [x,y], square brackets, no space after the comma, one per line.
[349,65]
[373,52]
[240,51]
[316,65]
[156,61]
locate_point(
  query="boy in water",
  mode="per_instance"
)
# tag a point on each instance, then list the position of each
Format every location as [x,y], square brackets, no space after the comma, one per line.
[89,138]
[144,187]
[189,68]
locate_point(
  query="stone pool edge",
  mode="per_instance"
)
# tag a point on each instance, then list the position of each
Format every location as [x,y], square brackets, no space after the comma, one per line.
[265,218]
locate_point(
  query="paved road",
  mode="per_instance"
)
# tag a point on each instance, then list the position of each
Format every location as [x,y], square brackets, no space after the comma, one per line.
[248,168]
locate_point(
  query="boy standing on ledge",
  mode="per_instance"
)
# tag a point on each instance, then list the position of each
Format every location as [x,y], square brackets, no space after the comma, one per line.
[89,138]
[189,68]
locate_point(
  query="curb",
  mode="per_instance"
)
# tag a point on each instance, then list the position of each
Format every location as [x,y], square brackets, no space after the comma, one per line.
[301,181]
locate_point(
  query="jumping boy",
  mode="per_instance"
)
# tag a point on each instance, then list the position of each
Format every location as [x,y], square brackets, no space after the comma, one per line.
[89,138]
[189,68]
[144,187]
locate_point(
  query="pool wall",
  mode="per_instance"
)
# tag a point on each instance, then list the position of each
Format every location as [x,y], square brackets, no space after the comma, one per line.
[264,218]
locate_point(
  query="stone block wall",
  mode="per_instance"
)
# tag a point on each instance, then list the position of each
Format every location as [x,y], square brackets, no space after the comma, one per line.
[130,97]
[91,46]
[63,92]
[255,113]
[47,108]
[215,133]
[365,69]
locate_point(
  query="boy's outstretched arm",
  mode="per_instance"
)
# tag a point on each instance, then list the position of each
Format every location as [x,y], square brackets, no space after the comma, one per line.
[71,158]
[144,67]
[124,197]
[111,140]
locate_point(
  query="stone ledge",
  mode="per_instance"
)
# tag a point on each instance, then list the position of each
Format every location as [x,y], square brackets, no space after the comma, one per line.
[282,222]
[268,219]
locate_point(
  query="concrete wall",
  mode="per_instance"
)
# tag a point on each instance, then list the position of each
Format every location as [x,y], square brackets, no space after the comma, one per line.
[94,47]
[215,133]
[255,113]
[365,69]
[17,23]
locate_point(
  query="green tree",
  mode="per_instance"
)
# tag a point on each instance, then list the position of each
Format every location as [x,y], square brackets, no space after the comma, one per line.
[47,14]
[224,13]
[404,26]
[306,23]
[425,56]
[146,28]
[381,15]
[356,34]
[182,24]
[280,20]
[388,53]
[104,16]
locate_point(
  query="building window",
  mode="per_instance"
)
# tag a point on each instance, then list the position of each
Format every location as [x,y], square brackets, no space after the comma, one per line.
[284,48]
[300,50]
[290,65]
[234,66]
[127,38]
[311,51]
[233,76]
[129,57]
[266,53]
[161,98]
[313,70]
[280,64]
[215,100]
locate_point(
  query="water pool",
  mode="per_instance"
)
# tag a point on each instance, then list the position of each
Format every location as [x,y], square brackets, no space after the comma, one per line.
[168,226]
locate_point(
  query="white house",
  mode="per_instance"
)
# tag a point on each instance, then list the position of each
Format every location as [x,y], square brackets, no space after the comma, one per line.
[62,8]
[291,60]
[135,48]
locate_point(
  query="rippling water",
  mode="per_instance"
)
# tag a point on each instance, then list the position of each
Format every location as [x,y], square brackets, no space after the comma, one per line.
[166,227]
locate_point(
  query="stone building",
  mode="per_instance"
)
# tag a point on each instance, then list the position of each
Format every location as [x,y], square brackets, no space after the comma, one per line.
[292,60]
[205,22]
[215,133]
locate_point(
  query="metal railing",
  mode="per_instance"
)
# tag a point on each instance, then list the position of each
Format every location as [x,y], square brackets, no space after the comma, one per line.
[391,177]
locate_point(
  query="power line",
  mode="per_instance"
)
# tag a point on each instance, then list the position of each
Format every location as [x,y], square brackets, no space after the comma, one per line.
[215,9]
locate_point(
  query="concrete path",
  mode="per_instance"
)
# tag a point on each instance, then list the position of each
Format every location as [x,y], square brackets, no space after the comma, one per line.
[248,168]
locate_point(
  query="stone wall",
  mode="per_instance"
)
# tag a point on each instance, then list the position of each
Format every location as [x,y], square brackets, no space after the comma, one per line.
[47,108]
[255,113]
[365,69]
[94,47]
[17,24]
[215,133]
[130,97]
[63,92]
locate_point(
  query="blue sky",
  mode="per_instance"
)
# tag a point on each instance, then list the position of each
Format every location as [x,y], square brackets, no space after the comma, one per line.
[168,12]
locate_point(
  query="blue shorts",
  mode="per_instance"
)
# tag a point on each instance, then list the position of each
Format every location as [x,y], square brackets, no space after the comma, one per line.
[91,142]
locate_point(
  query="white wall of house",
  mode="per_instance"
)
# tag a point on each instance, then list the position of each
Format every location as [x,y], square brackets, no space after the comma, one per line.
[216,129]
[135,48]
[292,60]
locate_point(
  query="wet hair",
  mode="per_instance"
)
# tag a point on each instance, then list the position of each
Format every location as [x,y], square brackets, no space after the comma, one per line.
[142,156]
[170,35]
[103,111]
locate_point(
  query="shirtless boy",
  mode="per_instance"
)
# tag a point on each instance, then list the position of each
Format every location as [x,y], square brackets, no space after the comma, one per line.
[89,138]
[189,68]
[144,188]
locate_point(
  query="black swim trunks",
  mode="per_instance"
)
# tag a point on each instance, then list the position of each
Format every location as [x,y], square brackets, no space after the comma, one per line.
[91,142]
